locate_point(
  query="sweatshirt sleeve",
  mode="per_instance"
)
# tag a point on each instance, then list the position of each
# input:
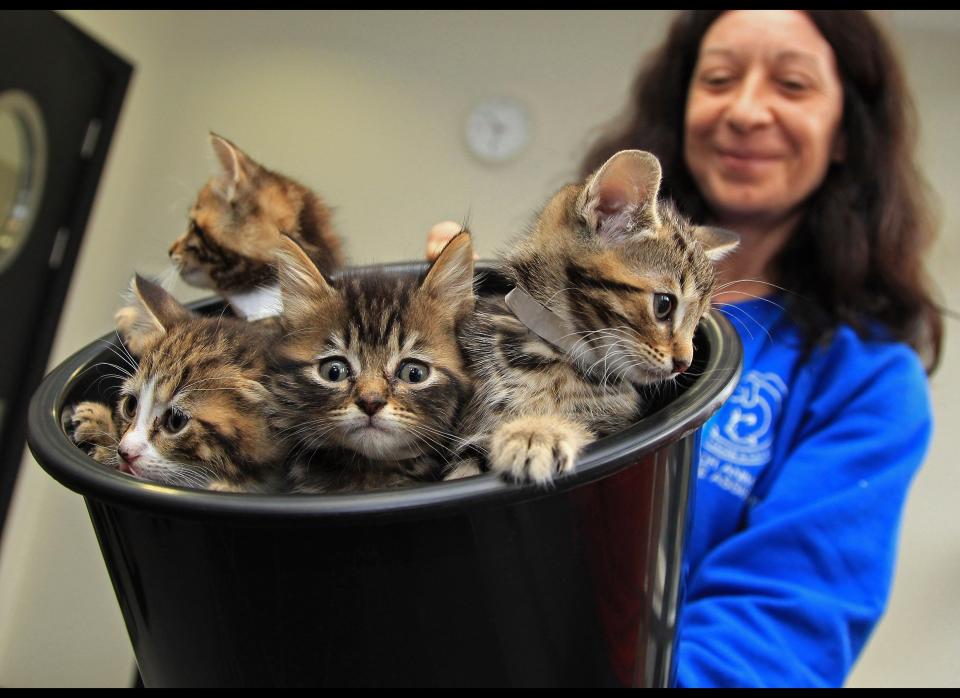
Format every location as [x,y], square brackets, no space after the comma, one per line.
[791,598]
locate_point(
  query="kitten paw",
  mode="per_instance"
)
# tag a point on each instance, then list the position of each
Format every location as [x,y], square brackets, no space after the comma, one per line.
[225,486]
[468,467]
[537,448]
[90,426]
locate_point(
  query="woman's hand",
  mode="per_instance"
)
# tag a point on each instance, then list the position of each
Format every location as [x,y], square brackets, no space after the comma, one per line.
[439,235]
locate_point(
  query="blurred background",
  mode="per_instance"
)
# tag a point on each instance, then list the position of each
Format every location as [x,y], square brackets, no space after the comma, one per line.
[370,110]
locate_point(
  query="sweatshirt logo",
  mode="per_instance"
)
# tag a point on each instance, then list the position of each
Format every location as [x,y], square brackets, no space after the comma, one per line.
[741,437]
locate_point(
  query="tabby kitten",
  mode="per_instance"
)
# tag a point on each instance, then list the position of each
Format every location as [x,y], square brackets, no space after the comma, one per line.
[235,226]
[369,379]
[194,413]
[612,284]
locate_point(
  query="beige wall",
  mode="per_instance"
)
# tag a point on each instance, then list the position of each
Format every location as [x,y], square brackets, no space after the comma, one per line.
[369,110]
[918,643]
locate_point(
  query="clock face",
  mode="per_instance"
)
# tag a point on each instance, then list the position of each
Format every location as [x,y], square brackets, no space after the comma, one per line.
[498,129]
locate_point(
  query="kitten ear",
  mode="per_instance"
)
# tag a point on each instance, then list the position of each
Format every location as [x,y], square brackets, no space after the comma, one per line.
[152,311]
[450,278]
[164,310]
[301,283]
[238,168]
[619,201]
[717,243]
[254,391]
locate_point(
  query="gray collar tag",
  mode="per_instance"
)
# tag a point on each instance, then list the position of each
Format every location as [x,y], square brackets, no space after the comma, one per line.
[540,320]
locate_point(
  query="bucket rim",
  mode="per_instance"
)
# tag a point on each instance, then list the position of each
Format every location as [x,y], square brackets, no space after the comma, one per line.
[74,469]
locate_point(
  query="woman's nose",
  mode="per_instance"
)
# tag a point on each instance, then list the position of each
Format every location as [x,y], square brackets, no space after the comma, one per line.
[750,105]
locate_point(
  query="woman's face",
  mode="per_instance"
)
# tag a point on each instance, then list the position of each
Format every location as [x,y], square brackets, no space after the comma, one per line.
[763,113]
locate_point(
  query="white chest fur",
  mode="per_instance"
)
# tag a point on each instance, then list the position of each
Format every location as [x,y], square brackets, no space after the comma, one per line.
[260,303]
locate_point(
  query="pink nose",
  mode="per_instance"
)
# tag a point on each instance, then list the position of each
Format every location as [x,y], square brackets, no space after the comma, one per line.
[129,452]
[680,365]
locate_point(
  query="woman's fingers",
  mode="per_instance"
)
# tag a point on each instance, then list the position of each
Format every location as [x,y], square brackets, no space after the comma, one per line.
[439,235]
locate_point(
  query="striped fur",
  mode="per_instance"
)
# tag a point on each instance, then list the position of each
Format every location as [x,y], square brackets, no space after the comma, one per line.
[236,222]
[210,371]
[597,256]
[369,428]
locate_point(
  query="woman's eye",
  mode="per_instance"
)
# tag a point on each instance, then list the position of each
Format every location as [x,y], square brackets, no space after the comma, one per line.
[663,305]
[716,79]
[793,85]
[413,372]
[174,420]
[129,406]
[334,370]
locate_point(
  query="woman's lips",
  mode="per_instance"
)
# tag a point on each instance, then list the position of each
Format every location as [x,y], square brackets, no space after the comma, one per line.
[745,162]
[747,156]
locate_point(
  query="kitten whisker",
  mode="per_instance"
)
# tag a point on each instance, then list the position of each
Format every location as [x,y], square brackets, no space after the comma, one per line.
[437,447]
[759,298]
[550,299]
[727,314]
[120,351]
[725,308]
[445,434]
[727,284]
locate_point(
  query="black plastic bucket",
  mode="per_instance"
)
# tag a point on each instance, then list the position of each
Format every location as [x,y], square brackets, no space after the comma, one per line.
[473,582]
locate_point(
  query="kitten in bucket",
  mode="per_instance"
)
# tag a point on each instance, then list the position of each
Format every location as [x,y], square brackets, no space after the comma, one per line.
[237,220]
[194,412]
[610,285]
[368,378]
[235,227]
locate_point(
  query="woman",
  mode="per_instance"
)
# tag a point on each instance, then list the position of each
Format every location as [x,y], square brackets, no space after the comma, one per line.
[794,130]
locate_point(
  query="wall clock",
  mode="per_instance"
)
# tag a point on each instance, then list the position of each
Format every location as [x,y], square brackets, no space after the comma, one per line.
[498,129]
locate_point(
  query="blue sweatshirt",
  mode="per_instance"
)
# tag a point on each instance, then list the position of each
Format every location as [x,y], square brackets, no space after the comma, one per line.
[802,481]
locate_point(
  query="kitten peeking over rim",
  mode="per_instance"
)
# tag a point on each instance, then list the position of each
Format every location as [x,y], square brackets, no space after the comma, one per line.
[612,283]
[193,410]
[235,227]
[367,376]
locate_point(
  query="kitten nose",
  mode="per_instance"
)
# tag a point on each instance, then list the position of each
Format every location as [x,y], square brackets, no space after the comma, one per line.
[128,455]
[371,404]
[130,448]
[680,365]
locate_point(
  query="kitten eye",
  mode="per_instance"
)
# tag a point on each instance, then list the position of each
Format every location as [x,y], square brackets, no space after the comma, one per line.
[334,370]
[174,420]
[129,406]
[413,372]
[663,305]
[196,229]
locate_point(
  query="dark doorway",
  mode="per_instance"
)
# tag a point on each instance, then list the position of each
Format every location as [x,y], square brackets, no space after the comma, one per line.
[60,97]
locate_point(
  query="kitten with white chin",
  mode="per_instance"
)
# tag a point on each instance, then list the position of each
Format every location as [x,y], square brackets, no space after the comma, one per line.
[194,413]
[368,378]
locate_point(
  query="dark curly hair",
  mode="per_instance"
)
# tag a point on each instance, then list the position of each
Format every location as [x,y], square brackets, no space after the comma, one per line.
[857,255]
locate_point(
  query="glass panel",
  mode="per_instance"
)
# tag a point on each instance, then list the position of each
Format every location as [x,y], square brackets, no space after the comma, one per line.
[22,164]
[11,166]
